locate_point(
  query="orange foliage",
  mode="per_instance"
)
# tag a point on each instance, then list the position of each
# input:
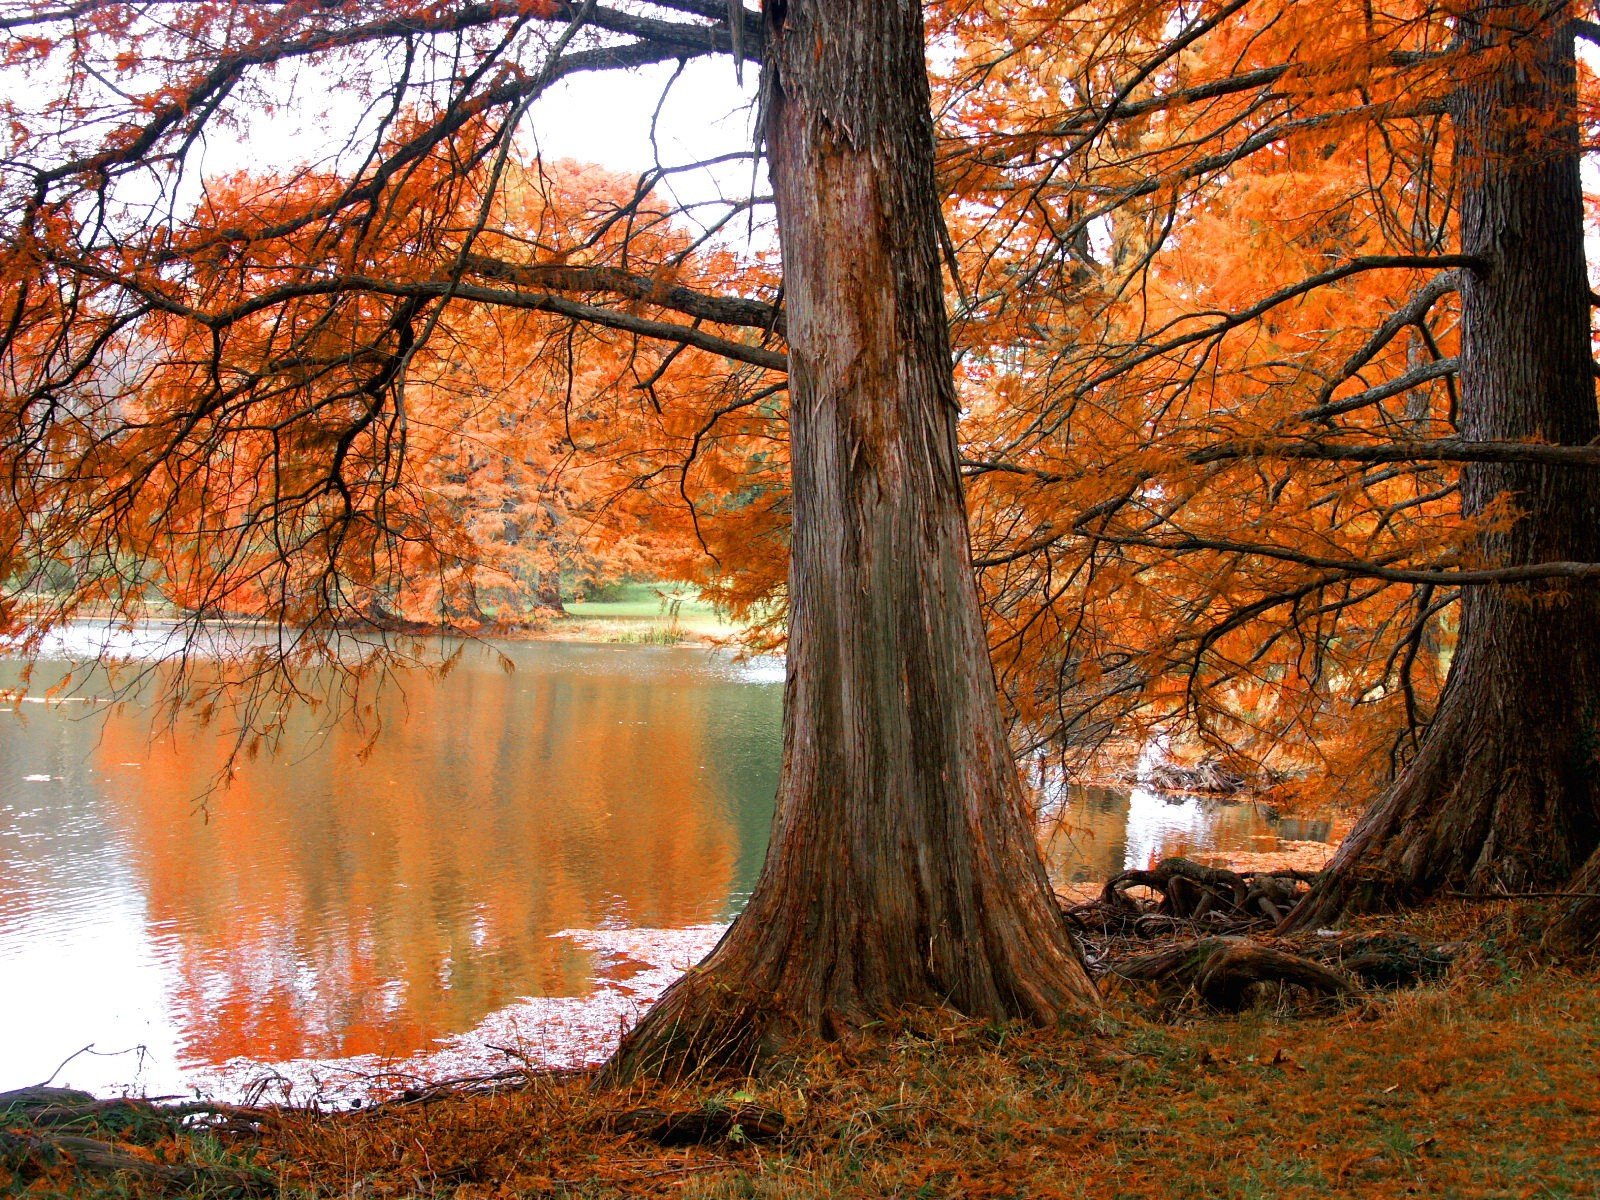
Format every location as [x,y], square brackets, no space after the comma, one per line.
[1203,266]
[1206,266]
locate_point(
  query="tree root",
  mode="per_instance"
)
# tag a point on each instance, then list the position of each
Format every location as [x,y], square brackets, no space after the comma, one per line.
[1205,912]
[1190,894]
[1577,929]
[1225,971]
[1230,973]
[46,1129]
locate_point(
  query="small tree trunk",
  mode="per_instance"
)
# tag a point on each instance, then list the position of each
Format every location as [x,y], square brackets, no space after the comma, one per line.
[1505,792]
[547,593]
[904,868]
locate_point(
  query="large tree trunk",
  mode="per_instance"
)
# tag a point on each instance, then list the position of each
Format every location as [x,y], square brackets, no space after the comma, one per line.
[904,869]
[1505,792]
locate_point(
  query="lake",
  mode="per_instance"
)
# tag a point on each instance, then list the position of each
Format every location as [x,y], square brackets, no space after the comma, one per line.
[506,874]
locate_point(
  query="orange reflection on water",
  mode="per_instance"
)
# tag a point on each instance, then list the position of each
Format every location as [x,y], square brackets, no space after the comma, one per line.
[326,906]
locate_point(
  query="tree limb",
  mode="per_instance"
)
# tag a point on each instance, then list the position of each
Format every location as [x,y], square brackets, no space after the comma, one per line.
[562,277]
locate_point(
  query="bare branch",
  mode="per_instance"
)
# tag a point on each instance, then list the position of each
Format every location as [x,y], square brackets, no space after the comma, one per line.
[1428,450]
[562,277]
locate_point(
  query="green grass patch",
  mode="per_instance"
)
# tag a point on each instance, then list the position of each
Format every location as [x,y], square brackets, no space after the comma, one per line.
[661,614]
[643,601]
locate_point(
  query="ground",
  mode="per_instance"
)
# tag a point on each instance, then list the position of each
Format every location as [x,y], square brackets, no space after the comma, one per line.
[1482,1085]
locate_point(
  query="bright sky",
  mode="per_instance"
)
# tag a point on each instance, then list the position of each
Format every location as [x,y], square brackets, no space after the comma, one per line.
[598,117]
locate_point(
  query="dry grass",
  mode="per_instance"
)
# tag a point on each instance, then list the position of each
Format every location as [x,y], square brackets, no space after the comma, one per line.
[1482,1086]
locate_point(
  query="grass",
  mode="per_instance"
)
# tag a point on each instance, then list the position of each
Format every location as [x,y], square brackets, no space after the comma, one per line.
[1482,1086]
[644,613]
[643,601]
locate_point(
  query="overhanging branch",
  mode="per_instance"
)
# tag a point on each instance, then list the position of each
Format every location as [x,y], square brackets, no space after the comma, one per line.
[562,277]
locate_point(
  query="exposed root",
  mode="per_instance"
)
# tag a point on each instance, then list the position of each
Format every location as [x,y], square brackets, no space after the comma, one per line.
[1577,930]
[1203,915]
[1231,973]
[1226,971]
[1190,897]
[700,1126]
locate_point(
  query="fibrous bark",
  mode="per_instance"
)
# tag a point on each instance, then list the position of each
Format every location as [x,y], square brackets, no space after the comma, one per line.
[1576,929]
[1504,794]
[903,869]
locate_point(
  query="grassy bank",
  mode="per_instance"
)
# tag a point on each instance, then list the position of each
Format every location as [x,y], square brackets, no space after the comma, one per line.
[641,613]
[1482,1085]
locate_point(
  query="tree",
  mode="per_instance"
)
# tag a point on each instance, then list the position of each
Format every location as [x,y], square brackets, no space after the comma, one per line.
[1505,791]
[904,869]
[1224,491]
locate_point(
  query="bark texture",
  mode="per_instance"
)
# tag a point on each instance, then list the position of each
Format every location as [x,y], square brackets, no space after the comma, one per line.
[903,869]
[1576,929]
[1505,793]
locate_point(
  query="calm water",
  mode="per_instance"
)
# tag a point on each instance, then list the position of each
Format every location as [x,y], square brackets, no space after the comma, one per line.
[515,866]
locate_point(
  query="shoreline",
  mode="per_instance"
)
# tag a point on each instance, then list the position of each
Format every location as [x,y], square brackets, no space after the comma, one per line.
[544,1035]
[1302,1098]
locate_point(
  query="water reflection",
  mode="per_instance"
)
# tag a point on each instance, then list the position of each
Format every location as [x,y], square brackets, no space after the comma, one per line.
[501,863]
[1098,831]
[352,899]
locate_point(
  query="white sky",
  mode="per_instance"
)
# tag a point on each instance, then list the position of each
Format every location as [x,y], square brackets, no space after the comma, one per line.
[601,117]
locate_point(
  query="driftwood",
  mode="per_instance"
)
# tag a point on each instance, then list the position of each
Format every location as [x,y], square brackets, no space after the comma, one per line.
[1208,777]
[29,1155]
[696,1127]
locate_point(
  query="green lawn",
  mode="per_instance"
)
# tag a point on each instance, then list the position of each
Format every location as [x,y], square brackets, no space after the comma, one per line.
[643,601]
[645,612]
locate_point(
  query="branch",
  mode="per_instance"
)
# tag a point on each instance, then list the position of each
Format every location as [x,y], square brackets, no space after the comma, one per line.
[695,38]
[1524,573]
[1409,313]
[1225,322]
[590,314]
[446,290]
[1426,450]
[560,277]
[1441,368]
[658,41]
